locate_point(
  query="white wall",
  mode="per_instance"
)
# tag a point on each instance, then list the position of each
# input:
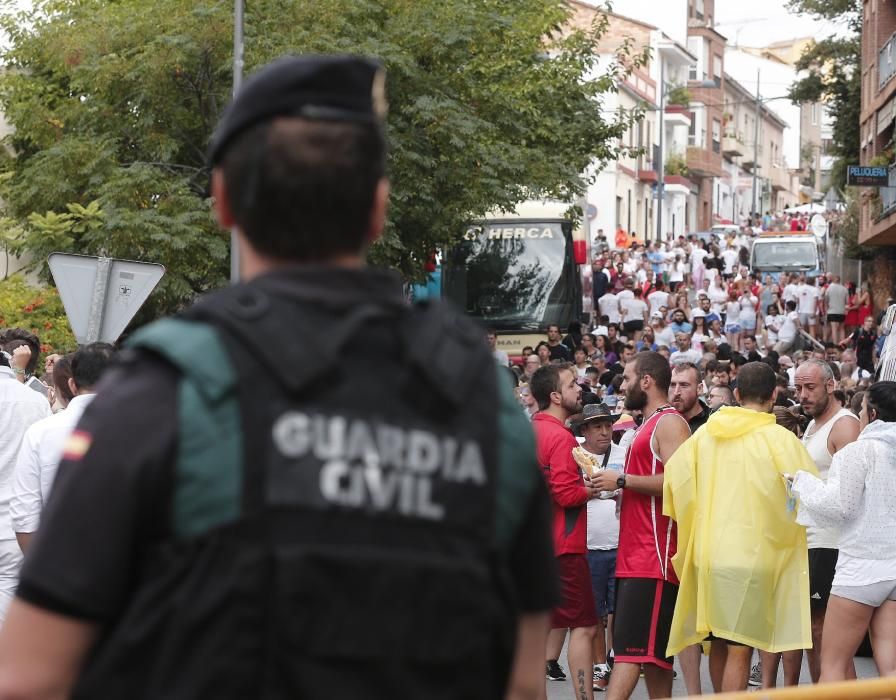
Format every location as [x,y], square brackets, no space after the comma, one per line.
[774,81]
[671,16]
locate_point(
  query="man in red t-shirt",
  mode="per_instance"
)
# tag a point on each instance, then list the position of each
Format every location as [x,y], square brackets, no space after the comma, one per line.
[555,389]
[646,585]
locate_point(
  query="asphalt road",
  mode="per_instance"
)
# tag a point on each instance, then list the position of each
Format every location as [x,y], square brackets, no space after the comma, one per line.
[865,668]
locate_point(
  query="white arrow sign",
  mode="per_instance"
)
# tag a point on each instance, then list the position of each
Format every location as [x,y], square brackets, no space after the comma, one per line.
[102,295]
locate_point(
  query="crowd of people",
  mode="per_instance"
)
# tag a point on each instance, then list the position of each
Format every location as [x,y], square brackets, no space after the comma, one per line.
[749,433]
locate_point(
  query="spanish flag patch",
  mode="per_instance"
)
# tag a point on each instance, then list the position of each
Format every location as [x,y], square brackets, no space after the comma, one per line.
[77,445]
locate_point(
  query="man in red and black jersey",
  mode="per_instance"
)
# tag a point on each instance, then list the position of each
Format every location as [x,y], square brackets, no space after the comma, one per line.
[646,586]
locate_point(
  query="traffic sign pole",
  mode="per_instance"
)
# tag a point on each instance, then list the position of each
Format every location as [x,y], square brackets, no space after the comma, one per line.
[98,300]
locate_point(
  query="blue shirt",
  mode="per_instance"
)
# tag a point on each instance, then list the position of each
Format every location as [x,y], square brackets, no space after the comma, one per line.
[684,327]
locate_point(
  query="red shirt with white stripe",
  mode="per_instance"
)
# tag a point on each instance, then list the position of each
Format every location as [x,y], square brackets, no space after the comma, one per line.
[647,538]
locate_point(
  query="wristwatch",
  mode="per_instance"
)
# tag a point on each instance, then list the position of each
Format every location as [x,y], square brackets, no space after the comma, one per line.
[620,482]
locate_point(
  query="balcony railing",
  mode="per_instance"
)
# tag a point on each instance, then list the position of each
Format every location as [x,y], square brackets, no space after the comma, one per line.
[886,62]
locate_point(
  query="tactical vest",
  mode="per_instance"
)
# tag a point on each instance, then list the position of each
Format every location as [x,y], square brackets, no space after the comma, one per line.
[333,514]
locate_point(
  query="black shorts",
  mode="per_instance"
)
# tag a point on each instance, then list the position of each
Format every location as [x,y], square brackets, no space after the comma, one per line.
[836,318]
[822,564]
[632,326]
[644,608]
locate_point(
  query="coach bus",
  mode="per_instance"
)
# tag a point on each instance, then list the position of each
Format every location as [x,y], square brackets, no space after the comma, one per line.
[518,273]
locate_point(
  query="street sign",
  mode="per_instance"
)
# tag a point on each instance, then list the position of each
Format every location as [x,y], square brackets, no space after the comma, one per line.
[868,176]
[818,225]
[102,295]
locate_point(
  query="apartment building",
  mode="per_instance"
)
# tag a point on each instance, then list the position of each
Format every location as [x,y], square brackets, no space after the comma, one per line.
[877,224]
[706,83]
[626,193]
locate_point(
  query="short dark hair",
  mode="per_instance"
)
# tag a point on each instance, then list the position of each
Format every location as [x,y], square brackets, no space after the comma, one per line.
[545,380]
[881,397]
[756,382]
[89,363]
[652,364]
[304,190]
[12,338]
[791,305]
[680,367]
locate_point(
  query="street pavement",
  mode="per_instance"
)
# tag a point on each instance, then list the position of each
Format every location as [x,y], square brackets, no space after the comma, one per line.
[865,668]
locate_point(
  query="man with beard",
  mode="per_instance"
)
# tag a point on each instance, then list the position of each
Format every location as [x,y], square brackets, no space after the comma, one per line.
[646,582]
[832,428]
[686,380]
[558,394]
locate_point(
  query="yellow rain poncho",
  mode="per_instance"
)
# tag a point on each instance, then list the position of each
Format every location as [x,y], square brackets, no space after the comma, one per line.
[742,559]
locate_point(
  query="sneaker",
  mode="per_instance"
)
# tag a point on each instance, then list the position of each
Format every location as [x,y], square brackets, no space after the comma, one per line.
[601,678]
[554,671]
[756,675]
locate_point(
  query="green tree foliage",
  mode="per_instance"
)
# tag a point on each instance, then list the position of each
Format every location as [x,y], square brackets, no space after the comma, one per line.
[113,104]
[835,77]
[36,309]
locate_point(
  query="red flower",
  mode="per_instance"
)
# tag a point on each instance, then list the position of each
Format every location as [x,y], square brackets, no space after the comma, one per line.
[48,325]
[28,309]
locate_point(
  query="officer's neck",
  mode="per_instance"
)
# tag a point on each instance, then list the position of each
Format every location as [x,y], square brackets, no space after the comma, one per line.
[254,264]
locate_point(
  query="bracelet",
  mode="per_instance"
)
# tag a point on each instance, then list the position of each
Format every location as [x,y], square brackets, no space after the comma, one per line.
[18,370]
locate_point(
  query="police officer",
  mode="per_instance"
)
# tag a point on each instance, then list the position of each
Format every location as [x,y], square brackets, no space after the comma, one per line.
[228,523]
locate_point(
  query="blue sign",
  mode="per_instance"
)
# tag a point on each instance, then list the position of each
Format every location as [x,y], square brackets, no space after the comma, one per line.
[868,176]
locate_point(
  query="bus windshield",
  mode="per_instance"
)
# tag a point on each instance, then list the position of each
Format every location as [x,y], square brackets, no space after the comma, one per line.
[785,255]
[514,275]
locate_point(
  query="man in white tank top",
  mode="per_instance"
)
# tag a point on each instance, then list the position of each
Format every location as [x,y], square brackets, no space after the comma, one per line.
[831,429]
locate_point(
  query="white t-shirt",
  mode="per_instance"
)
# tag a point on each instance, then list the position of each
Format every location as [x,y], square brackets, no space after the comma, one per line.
[656,300]
[697,256]
[603,525]
[37,462]
[633,309]
[747,308]
[787,331]
[609,306]
[732,312]
[691,355]
[718,297]
[772,326]
[676,271]
[807,297]
[20,407]
[665,337]
[730,257]
[789,293]
[697,340]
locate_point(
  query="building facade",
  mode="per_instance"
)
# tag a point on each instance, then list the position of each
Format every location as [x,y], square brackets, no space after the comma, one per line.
[877,223]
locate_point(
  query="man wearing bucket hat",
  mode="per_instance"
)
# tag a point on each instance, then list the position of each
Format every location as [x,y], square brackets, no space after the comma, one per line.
[230,523]
[596,426]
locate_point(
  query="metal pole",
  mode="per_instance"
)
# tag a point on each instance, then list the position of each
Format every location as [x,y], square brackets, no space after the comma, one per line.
[661,166]
[756,150]
[237,82]
[98,300]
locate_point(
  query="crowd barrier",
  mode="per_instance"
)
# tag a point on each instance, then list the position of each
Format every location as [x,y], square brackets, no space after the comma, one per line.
[870,689]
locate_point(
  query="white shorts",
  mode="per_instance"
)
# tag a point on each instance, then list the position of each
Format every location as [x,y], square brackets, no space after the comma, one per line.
[873,594]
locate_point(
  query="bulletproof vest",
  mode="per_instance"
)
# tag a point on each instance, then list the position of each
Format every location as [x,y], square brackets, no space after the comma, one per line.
[333,509]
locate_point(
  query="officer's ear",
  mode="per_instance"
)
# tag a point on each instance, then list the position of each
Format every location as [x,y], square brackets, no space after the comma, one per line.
[221,201]
[378,211]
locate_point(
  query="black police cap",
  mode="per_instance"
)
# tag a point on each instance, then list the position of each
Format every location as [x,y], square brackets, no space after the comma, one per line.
[317,87]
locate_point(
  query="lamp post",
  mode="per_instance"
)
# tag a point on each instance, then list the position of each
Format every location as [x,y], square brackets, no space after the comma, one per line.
[661,166]
[756,151]
[237,82]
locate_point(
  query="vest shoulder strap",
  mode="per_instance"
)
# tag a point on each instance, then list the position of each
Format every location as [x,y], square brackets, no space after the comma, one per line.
[209,470]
